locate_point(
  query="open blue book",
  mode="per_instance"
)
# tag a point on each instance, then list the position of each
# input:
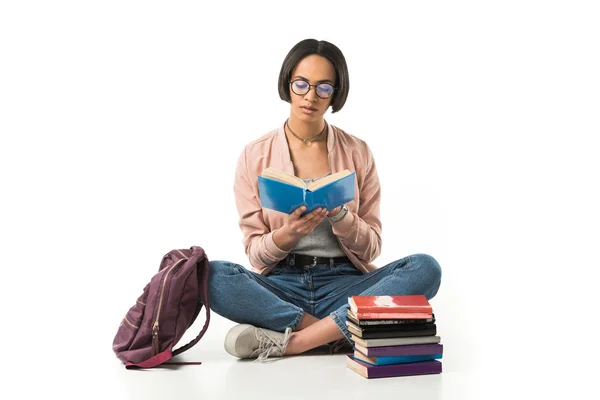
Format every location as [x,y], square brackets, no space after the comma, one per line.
[283,192]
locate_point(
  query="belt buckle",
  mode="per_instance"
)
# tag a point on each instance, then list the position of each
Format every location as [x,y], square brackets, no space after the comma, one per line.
[314,262]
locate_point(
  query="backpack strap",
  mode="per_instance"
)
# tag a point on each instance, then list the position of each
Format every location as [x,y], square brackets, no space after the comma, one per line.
[204,295]
[159,359]
[197,339]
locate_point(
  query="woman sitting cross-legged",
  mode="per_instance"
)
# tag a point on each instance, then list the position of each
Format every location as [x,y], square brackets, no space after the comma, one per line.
[304,267]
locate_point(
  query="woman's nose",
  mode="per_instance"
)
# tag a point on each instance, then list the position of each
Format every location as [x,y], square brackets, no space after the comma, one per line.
[311,95]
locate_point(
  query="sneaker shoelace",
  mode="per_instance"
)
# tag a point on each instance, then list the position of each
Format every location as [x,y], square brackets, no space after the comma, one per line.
[268,345]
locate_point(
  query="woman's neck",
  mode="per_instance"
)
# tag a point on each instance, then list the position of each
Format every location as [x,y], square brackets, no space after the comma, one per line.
[306,130]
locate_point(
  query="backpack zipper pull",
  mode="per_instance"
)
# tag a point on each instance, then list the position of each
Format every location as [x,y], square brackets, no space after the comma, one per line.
[155,347]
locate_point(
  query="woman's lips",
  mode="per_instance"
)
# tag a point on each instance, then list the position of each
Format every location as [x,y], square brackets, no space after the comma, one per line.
[308,110]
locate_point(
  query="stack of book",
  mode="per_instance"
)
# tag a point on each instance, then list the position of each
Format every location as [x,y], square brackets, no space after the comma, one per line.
[393,336]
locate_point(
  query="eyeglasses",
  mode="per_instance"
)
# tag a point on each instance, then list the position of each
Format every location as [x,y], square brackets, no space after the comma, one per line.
[323,90]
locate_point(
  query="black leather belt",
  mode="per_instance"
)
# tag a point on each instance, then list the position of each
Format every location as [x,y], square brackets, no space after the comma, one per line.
[300,260]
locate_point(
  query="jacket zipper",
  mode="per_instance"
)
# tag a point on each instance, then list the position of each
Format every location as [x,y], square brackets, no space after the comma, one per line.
[155,326]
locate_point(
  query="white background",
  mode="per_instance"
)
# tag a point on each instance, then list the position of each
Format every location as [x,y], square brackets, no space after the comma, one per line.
[121,123]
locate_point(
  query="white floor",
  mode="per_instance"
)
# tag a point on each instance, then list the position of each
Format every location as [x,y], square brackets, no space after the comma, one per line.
[316,375]
[472,369]
[68,354]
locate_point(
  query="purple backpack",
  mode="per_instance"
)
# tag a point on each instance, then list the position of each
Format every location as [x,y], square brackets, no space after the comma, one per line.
[167,308]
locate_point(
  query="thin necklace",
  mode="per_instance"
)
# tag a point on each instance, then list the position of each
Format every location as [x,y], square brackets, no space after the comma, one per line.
[307,141]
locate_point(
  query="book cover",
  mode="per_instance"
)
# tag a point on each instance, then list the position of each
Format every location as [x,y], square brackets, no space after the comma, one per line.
[288,196]
[395,341]
[425,330]
[390,304]
[389,360]
[384,371]
[386,322]
[405,350]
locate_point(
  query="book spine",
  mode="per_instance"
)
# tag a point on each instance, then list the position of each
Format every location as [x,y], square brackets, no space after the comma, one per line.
[383,322]
[383,371]
[391,309]
[395,341]
[406,350]
[396,359]
[392,315]
[430,331]
[418,368]
[307,200]
[391,328]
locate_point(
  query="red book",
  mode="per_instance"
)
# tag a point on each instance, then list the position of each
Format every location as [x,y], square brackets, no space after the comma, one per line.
[409,306]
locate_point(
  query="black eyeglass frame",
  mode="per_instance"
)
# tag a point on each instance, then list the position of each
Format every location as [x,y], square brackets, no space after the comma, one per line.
[315,86]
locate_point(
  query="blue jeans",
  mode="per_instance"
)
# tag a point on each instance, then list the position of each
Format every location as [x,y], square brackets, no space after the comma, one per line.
[280,299]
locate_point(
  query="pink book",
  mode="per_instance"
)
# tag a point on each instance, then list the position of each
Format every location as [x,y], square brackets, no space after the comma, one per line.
[390,307]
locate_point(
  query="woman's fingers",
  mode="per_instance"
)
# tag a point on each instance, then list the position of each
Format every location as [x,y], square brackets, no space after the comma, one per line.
[305,224]
[316,215]
[316,219]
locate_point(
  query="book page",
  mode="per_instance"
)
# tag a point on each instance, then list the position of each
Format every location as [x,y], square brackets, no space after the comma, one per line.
[328,179]
[281,176]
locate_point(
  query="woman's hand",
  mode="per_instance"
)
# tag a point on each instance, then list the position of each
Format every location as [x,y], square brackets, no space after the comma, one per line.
[297,226]
[301,225]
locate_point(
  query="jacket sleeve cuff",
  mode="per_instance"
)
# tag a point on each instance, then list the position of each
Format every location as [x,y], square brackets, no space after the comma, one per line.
[273,251]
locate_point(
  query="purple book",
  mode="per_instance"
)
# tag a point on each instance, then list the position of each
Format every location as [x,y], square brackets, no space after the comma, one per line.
[405,350]
[384,371]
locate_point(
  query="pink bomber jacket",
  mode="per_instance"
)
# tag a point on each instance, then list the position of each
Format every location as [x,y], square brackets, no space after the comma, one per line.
[359,232]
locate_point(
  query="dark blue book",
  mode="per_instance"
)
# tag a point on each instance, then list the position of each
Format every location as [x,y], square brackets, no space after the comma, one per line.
[283,192]
[389,360]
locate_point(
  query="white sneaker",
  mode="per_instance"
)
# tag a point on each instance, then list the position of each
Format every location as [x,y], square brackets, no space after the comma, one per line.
[247,341]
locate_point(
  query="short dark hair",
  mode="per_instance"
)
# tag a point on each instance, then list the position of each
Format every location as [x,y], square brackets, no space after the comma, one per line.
[325,49]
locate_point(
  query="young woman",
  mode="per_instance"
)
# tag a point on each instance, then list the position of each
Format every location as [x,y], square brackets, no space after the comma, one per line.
[304,267]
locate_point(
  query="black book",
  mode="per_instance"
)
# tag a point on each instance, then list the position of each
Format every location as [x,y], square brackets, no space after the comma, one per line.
[384,328]
[369,322]
[400,331]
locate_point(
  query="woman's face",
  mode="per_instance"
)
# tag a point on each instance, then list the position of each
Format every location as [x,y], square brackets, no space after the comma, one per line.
[314,69]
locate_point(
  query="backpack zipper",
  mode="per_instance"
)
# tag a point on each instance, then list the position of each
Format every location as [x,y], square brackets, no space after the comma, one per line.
[155,326]
[130,324]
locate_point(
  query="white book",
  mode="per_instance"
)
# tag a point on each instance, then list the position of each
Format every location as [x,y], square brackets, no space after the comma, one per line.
[396,341]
